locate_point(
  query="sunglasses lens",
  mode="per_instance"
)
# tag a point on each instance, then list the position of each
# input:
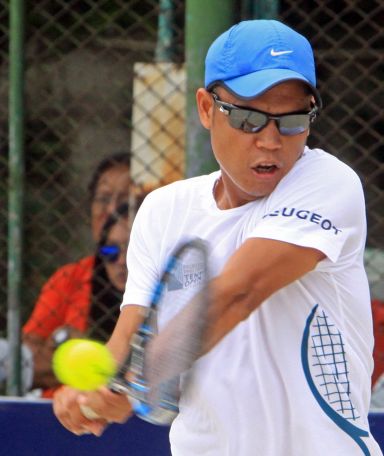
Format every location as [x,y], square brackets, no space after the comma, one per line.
[248,121]
[293,124]
[253,121]
[109,253]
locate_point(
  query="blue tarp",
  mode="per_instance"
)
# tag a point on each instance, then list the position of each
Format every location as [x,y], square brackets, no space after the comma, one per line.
[29,428]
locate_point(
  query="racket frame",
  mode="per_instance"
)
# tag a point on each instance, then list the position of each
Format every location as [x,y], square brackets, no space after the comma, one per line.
[136,385]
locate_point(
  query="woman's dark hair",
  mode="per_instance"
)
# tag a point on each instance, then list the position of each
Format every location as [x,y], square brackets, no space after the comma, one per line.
[119,158]
[105,298]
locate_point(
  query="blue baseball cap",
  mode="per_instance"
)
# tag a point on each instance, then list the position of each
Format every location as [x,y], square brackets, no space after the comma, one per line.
[253,56]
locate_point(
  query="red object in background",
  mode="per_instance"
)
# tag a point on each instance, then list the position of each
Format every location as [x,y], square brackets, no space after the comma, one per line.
[378,330]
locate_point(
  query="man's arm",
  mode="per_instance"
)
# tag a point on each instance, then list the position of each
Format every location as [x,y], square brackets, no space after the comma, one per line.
[109,406]
[254,272]
[259,268]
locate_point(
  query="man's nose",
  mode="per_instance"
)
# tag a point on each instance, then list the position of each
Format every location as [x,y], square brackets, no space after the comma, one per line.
[269,137]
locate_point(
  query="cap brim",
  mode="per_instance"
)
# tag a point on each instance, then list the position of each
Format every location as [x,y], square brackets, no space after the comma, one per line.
[254,84]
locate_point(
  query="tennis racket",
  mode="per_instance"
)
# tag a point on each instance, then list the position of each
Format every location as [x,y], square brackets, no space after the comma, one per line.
[151,373]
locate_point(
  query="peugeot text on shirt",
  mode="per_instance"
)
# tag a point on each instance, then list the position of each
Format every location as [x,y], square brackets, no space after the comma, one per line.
[306,215]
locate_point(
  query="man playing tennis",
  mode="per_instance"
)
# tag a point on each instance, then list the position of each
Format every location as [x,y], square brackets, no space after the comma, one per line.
[287,362]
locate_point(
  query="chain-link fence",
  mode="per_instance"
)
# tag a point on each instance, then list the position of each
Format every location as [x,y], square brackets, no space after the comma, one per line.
[3,161]
[348,40]
[108,76]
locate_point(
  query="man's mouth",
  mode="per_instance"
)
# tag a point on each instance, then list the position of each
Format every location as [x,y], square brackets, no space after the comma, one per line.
[266,168]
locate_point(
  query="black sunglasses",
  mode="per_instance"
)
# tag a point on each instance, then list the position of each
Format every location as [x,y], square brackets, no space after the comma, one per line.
[252,121]
[110,253]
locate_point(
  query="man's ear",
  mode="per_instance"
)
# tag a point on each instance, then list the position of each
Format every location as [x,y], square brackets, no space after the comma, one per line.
[205,107]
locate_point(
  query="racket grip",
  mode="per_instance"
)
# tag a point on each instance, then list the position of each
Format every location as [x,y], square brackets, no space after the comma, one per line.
[89,413]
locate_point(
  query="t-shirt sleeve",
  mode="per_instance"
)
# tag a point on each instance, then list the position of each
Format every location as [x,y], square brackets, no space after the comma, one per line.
[319,204]
[142,255]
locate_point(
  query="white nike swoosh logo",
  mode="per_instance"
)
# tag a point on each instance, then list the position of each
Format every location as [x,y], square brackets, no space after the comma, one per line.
[275,53]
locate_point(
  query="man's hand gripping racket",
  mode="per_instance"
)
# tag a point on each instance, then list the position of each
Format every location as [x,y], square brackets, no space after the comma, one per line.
[150,375]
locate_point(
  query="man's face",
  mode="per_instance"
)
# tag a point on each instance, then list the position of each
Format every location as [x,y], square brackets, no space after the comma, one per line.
[252,164]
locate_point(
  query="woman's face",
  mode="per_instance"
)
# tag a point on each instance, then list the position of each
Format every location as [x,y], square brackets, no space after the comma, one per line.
[117,270]
[112,189]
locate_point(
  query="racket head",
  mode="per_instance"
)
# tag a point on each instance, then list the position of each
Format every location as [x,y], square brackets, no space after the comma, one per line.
[151,373]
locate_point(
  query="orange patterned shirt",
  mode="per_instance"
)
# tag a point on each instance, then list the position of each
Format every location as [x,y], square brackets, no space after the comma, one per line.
[64,300]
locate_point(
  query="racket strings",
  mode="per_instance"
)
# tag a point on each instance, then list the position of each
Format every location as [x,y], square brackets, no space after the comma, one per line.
[131,372]
[173,351]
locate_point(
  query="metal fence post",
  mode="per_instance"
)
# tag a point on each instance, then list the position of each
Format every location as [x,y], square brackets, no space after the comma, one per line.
[16,184]
[204,21]
[164,47]
[261,9]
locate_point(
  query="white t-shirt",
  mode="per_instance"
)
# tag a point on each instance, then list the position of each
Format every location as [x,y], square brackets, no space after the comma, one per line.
[294,378]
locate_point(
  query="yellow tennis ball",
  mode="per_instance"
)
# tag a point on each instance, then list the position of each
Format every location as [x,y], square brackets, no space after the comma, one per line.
[83,364]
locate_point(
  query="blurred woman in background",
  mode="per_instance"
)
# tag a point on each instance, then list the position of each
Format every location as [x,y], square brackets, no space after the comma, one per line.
[83,298]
